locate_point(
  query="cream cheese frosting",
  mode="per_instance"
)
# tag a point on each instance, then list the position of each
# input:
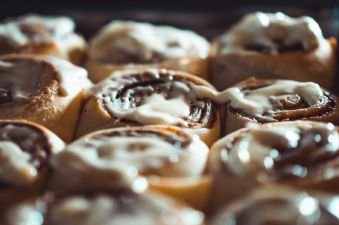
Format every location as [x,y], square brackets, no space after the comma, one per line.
[18,167]
[128,148]
[105,209]
[280,205]
[145,42]
[160,99]
[271,32]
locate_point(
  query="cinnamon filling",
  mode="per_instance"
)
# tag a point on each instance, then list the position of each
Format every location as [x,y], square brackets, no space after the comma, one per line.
[201,111]
[281,47]
[285,105]
[5,96]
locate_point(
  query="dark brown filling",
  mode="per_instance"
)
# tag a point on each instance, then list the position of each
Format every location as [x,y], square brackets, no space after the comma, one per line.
[282,47]
[5,96]
[30,140]
[202,111]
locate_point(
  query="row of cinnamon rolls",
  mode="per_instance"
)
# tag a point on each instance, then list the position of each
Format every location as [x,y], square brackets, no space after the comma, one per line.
[163,122]
[273,173]
[142,131]
[268,45]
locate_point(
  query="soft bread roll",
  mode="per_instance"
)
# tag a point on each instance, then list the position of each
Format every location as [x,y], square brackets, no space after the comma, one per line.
[127,45]
[273,46]
[43,35]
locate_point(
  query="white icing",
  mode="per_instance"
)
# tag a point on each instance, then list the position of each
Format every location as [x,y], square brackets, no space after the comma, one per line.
[262,101]
[263,28]
[156,110]
[104,209]
[264,205]
[68,75]
[143,41]
[15,165]
[110,153]
[59,27]
[254,151]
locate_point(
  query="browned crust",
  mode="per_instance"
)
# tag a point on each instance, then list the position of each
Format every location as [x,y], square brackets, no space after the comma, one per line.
[194,65]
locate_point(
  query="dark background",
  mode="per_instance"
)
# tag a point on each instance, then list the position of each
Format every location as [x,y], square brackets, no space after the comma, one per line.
[209,18]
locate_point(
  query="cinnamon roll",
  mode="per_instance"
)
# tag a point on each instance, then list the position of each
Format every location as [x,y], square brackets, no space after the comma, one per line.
[46,90]
[273,45]
[118,207]
[303,154]
[126,44]
[25,150]
[281,206]
[152,97]
[262,101]
[35,34]
[172,161]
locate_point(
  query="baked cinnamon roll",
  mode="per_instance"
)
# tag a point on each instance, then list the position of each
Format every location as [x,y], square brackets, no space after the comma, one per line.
[303,154]
[262,101]
[118,207]
[25,150]
[281,206]
[273,45]
[126,44]
[46,90]
[35,34]
[172,161]
[152,97]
